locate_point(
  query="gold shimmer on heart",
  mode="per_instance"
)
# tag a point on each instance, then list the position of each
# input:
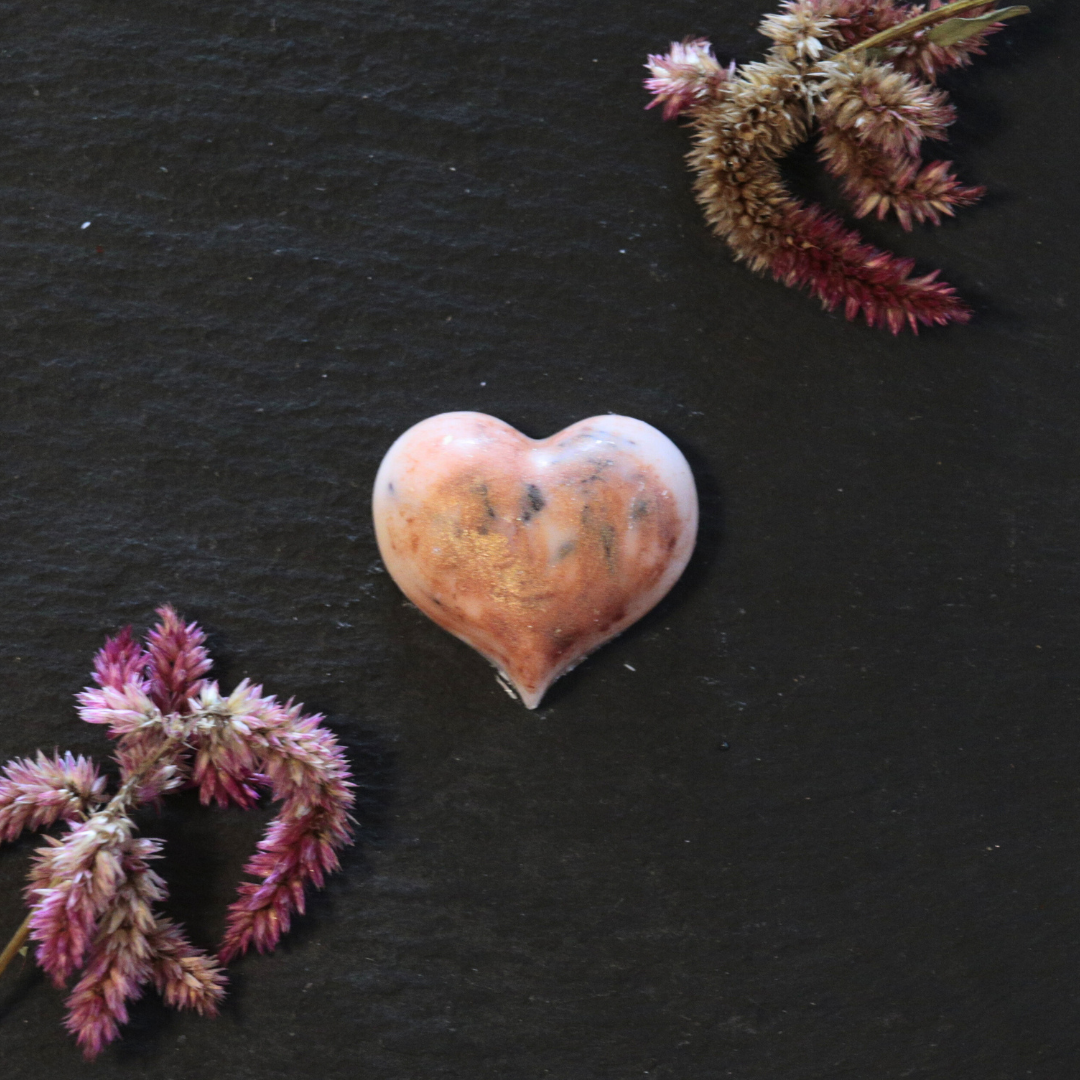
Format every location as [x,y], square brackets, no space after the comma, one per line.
[535,552]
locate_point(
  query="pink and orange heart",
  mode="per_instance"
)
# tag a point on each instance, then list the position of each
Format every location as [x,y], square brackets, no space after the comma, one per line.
[534,551]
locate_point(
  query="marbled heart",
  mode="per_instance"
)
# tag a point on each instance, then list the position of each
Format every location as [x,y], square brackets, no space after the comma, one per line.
[534,552]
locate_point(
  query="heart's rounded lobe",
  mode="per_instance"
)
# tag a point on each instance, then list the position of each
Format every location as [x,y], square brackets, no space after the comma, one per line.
[534,551]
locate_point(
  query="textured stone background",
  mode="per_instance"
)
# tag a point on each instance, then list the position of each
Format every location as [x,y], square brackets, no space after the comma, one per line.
[315,222]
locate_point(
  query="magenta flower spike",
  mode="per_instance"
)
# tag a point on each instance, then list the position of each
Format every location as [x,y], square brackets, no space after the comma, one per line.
[862,73]
[92,894]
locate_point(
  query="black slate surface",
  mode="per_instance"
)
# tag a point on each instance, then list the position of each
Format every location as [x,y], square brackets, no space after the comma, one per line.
[827,827]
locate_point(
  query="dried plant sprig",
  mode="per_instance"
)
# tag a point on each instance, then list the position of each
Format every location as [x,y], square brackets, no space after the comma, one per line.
[92,894]
[861,71]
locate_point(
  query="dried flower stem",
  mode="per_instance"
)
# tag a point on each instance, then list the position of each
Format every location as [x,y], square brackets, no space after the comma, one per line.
[871,111]
[910,26]
[92,892]
[12,948]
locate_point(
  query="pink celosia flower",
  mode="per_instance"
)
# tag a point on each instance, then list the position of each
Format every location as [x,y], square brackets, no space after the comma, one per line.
[120,960]
[226,761]
[843,272]
[853,21]
[306,770]
[873,114]
[184,976]
[906,187]
[91,892]
[177,661]
[37,794]
[688,74]
[72,882]
[125,709]
[120,661]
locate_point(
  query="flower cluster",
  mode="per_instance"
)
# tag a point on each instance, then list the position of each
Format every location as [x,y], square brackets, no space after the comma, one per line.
[862,71]
[37,794]
[689,75]
[92,894]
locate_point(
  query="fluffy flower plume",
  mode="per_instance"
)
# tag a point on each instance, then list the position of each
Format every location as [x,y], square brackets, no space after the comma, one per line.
[120,960]
[125,709]
[92,894]
[120,661]
[917,53]
[882,108]
[876,183]
[71,883]
[872,111]
[184,976]
[802,31]
[36,794]
[689,74]
[306,770]
[227,758]
[177,661]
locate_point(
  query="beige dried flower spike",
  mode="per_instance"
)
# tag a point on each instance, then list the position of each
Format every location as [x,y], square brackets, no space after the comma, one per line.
[862,71]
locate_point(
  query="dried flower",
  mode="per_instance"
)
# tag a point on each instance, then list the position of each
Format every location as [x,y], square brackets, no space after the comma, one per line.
[37,794]
[689,74]
[306,771]
[92,894]
[184,976]
[72,882]
[859,70]
[119,961]
[177,661]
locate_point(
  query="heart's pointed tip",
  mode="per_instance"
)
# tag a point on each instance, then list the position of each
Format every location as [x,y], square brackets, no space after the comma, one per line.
[529,698]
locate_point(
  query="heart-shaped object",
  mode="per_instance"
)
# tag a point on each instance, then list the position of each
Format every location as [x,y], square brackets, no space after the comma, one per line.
[534,551]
